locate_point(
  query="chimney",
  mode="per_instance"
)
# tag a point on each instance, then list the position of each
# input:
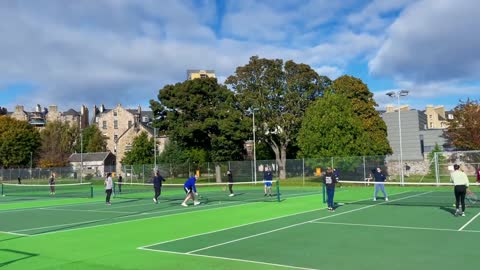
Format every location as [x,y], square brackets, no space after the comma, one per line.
[102,108]
[139,109]
[19,108]
[38,108]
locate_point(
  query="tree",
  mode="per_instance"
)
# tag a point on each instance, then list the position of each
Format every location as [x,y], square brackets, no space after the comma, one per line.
[3,111]
[58,143]
[464,129]
[93,140]
[18,142]
[279,93]
[363,106]
[201,114]
[142,151]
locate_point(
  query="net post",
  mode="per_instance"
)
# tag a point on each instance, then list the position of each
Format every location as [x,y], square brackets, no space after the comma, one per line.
[91,191]
[2,190]
[278,190]
[323,193]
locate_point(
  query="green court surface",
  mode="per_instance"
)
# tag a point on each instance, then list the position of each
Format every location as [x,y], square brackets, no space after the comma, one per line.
[415,229]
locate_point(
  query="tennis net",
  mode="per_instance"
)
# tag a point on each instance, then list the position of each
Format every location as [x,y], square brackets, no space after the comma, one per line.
[78,190]
[207,192]
[412,194]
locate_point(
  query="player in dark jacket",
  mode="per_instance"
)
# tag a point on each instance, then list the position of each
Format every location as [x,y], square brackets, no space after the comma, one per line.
[329,179]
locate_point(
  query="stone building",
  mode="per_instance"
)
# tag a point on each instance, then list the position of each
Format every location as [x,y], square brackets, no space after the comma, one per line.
[198,73]
[40,117]
[121,126]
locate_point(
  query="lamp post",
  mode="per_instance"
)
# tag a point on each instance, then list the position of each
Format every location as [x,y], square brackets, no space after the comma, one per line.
[254,150]
[398,94]
[81,156]
[155,149]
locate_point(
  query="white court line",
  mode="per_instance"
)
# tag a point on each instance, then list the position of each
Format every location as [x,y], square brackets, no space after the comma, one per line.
[470,221]
[390,226]
[232,259]
[181,210]
[251,223]
[59,225]
[302,223]
[86,210]
[13,233]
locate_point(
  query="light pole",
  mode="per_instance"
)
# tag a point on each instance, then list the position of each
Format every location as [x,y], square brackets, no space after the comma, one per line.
[31,164]
[81,156]
[155,149]
[254,150]
[398,94]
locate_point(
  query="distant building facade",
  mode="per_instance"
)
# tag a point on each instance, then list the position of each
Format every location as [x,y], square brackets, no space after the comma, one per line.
[40,117]
[95,164]
[121,126]
[198,73]
[437,117]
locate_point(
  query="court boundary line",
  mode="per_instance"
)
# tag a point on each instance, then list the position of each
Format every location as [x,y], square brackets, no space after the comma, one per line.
[13,233]
[231,259]
[181,211]
[190,253]
[301,223]
[86,210]
[54,226]
[393,227]
[470,221]
[242,225]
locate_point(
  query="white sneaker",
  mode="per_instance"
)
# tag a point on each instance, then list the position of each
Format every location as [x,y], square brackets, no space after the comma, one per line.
[386,199]
[457,212]
[154,200]
[231,195]
[184,204]
[196,203]
[463,214]
[374,199]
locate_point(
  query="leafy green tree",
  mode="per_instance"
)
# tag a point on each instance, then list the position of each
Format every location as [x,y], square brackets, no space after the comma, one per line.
[431,157]
[18,141]
[331,128]
[463,130]
[142,151]
[278,93]
[363,105]
[58,143]
[201,114]
[93,140]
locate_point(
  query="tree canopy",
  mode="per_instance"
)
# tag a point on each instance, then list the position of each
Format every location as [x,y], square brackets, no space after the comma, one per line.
[93,140]
[278,93]
[141,152]
[331,128]
[58,143]
[18,142]
[363,106]
[202,114]
[464,129]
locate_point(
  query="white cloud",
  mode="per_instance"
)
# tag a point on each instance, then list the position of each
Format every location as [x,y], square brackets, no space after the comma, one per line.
[329,71]
[432,40]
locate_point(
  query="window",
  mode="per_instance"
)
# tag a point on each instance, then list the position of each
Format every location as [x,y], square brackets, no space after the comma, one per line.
[114,113]
[104,124]
[128,147]
[115,137]
[115,124]
[129,124]
[145,119]
[203,76]
[430,116]
[431,125]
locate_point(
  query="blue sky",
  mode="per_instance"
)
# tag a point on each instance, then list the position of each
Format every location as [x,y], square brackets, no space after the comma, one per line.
[112,52]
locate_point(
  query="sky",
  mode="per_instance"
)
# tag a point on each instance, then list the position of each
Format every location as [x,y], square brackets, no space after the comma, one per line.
[70,53]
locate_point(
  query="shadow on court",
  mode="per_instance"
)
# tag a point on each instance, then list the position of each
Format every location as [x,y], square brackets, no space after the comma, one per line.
[14,256]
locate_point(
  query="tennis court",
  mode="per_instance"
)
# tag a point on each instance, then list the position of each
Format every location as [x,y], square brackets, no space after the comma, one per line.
[415,229]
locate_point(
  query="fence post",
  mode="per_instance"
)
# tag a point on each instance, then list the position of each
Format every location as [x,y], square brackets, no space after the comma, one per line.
[364,169]
[437,169]
[303,170]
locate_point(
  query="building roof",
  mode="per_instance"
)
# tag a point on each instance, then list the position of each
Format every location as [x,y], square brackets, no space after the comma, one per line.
[86,157]
[71,112]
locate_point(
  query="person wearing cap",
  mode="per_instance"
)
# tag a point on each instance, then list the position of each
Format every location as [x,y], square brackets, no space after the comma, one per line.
[329,180]
[460,182]
[380,179]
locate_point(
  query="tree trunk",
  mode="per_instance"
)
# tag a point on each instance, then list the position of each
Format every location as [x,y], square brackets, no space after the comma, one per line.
[280,158]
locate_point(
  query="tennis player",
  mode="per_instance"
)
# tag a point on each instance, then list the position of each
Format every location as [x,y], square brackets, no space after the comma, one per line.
[157,186]
[379,184]
[330,179]
[230,183]
[460,181]
[267,180]
[108,187]
[190,190]
[51,182]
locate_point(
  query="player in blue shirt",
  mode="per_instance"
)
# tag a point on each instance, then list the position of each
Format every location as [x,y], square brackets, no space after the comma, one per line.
[267,180]
[190,190]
